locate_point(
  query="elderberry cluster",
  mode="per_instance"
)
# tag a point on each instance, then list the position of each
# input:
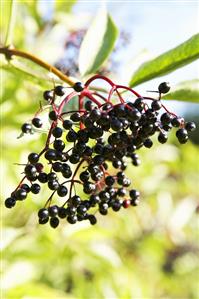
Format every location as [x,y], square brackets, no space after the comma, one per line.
[92,147]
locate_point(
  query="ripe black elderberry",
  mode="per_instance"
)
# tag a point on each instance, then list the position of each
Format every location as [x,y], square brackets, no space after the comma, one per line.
[48,95]
[37,122]
[59,90]
[33,158]
[26,128]
[52,115]
[78,86]
[93,147]
[164,87]
[10,202]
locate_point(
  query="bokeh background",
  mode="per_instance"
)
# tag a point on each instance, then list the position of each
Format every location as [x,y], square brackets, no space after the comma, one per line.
[150,251]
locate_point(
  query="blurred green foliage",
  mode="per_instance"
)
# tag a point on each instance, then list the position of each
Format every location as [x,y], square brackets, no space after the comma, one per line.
[150,251]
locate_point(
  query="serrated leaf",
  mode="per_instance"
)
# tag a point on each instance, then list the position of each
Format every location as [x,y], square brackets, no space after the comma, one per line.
[187,91]
[98,43]
[169,61]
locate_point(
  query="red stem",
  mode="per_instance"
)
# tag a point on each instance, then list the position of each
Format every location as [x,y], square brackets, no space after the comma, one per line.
[66,100]
[129,89]
[98,77]
[88,94]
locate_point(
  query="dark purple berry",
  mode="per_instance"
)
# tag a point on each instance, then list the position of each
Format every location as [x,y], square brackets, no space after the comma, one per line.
[10,202]
[37,123]
[26,128]
[164,87]
[54,222]
[78,86]
[35,188]
[59,90]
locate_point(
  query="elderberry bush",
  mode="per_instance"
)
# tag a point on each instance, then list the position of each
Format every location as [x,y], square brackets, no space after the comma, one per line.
[92,147]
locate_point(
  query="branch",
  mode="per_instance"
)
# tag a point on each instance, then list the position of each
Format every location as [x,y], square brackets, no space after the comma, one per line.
[8,52]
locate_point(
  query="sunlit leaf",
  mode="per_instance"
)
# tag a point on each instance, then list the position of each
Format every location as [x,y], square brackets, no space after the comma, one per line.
[6,21]
[64,6]
[98,43]
[9,235]
[29,75]
[36,291]
[168,62]
[187,91]
[34,11]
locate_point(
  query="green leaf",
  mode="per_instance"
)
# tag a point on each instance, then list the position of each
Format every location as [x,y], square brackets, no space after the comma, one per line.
[7,21]
[64,6]
[34,12]
[98,43]
[43,80]
[169,61]
[36,291]
[187,91]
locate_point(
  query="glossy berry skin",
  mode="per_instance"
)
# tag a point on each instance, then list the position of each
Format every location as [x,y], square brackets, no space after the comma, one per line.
[134,194]
[92,219]
[51,176]
[10,202]
[48,95]
[30,170]
[181,133]
[72,219]
[165,118]
[53,211]
[156,105]
[43,213]
[75,200]
[62,191]
[62,213]
[25,187]
[59,145]
[37,123]
[52,115]
[57,132]
[148,143]
[43,220]
[21,194]
[50,154]
[26,128]
[190,126]
[67,124]
[33,158]
[176,122]
[164,87]
[53,185]
[59,90]
[78,86]
[54,222]
[162,137]
[35,188]
[43,177]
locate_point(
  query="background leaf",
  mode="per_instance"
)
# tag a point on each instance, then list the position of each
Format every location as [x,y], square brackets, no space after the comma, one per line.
[64,6]
[98,43]
[7,21]
[168,61]
[187,91]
